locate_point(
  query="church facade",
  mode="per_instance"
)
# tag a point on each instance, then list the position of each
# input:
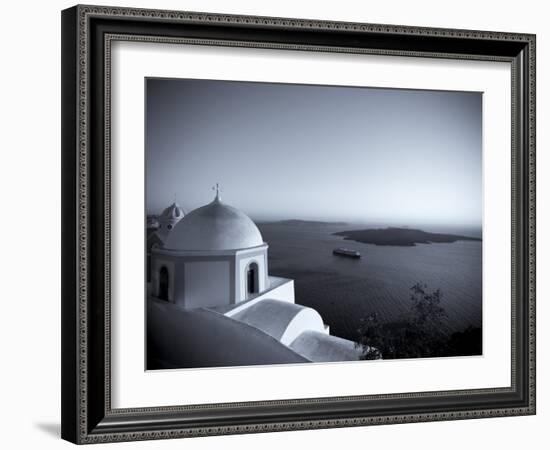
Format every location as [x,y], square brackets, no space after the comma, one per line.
[214,256]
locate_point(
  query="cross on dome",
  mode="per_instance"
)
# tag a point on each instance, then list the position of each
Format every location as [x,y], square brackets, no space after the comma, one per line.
[217,189]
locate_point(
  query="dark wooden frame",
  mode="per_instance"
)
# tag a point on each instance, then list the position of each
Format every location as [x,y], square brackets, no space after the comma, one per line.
[87,32]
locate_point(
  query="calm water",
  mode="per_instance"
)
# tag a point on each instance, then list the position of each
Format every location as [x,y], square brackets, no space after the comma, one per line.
[345,290]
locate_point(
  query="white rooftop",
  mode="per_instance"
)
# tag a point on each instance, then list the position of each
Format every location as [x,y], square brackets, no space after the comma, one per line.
[174,211]
[215,226]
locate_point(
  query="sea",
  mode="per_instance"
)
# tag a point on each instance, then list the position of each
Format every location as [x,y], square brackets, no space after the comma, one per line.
[345,291]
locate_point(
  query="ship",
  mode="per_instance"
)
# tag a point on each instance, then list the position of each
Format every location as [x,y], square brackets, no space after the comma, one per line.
[346,252]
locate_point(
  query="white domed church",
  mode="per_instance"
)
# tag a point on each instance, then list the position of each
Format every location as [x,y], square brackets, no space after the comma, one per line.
[169,219]
[213,302]
[213,256]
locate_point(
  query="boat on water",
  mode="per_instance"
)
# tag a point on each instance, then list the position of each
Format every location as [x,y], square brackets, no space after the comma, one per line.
[346,252]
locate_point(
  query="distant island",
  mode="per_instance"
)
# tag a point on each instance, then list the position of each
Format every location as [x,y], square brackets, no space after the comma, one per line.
[298,222]
[403,237]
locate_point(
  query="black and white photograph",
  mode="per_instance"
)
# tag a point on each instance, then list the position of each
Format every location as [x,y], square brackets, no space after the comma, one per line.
[292,223]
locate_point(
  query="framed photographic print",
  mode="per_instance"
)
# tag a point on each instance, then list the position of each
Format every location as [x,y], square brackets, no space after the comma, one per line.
[277,224]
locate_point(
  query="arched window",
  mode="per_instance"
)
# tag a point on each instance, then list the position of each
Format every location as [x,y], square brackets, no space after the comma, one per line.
[163,283]
[252,279]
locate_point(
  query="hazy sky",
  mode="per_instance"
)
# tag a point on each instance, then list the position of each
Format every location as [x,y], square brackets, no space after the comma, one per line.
[315,152]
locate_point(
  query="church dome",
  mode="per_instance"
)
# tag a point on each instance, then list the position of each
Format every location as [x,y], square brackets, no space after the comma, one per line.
[173,212]
[215,226]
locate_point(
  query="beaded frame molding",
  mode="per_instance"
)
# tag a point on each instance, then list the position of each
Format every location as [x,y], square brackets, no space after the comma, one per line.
[87,35]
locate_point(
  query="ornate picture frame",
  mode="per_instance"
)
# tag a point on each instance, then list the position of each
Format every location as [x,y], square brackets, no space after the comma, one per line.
[88,33]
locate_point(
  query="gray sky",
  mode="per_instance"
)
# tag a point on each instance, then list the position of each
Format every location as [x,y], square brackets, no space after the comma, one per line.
[284,151]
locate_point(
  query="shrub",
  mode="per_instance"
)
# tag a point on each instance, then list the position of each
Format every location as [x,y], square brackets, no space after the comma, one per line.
[417,334]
